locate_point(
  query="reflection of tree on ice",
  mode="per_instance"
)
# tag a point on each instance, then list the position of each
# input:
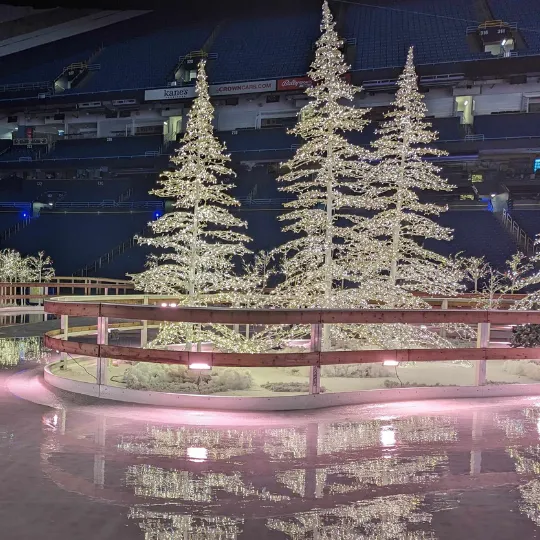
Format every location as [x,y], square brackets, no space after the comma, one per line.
[384,518]
[172,526]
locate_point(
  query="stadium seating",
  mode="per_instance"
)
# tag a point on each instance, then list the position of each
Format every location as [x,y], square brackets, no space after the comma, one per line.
[528,220]
[500,126]
[449,129]
[145,61]
[477,233]
[103,148]
[61,236]
[526,13]
[264,47]
[385,32]
[22,153]
[255,140]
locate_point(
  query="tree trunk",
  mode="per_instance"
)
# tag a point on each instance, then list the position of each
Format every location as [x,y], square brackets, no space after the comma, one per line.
[396,230]
[193,268]
[325,345]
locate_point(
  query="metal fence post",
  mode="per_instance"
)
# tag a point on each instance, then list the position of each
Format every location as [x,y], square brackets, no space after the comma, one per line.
[102,339]
[482,342]
[64,326]
[144,330]
[315,371]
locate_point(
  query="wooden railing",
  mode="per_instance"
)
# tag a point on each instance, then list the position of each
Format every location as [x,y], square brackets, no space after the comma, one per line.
[15,293]
[313,318]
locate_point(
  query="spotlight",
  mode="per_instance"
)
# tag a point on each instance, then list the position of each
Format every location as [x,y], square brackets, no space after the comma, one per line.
[493,195]
[200,366]
[157,215]
[172,305]
[164,304]
[392,363]
[24,215]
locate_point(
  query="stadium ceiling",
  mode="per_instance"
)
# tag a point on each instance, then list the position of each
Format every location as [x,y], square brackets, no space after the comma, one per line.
[178,5]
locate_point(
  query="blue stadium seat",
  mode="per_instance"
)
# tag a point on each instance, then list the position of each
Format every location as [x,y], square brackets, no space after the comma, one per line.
[145,61]
[477,233]
[528,220]
[255,140]
[103,148]
[526,13]
[500,126]
[22,153]
[449,129]
[384,32]
[264,47]
[61,235]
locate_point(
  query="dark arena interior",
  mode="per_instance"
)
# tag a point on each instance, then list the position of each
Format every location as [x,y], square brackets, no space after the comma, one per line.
[270,270]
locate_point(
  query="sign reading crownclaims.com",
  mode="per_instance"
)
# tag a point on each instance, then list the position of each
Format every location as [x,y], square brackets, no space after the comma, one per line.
[226,89]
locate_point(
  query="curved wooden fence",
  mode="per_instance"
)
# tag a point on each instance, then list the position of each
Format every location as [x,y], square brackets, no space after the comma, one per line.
[315,318]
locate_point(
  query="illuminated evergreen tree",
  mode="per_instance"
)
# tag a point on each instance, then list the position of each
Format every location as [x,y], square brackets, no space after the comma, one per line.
[325,176]
[199,241]
[401,174]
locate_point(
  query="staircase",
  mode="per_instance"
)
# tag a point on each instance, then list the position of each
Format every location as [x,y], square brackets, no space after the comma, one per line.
[483,10]
[522,239]
[19,226]
[108,257]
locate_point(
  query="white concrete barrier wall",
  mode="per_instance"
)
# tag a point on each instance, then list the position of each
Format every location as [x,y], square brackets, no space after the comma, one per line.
[287,403]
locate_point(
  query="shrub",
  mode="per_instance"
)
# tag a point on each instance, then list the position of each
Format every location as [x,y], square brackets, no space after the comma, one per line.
[525,368]
[356,371]
[288,387]
[395,384]
[179,379]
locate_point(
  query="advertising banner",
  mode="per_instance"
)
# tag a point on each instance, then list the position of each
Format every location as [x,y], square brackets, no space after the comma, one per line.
[242,88]
[300,83]
[294,83]
[172,92]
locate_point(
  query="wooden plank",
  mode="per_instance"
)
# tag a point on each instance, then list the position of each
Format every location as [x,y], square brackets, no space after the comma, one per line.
[284,316]
[72,347]
[83,309]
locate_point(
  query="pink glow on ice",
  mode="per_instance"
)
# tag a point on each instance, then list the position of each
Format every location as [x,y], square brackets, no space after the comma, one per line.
[197,454]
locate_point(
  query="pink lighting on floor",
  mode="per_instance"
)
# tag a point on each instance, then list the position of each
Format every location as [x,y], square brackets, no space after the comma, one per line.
[392,363]
[200,366]
[197,455]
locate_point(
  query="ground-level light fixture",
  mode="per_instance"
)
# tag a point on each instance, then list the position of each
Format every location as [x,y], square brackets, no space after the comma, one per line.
[199,366]
[392,363]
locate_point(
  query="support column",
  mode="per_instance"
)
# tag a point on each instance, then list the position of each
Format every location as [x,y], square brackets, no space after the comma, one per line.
[315,371]
[102,339]
[64,326]
[144,330]
[482,342]
[444,305]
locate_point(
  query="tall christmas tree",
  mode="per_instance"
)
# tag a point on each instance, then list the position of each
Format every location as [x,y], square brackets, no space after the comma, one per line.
[199,241]
[325,176]
[400,175]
